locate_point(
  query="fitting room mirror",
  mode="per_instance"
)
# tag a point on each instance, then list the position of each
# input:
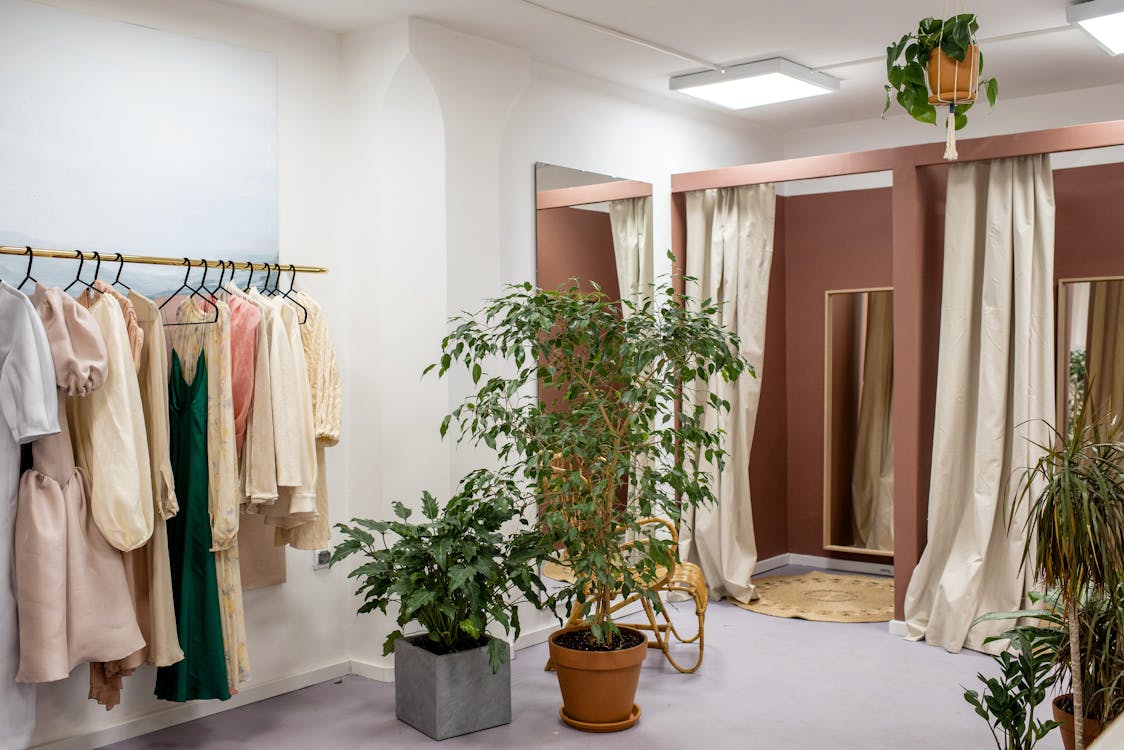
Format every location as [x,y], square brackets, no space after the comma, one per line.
[584,220]
[1091,347]
[858,421]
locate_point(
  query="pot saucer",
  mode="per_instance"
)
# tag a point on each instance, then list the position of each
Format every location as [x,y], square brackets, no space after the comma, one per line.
[613,726]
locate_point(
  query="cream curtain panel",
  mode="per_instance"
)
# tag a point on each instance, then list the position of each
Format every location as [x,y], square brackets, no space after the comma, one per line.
[730,253]
[631,221]
[1104,349]
[995,382]
[872,479]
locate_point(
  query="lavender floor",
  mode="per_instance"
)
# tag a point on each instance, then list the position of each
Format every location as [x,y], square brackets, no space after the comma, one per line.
[766,682]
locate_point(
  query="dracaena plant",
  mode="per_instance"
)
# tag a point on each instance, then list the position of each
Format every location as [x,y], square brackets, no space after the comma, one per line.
[617,369]
[907,61]
[452,571]
[1074,495]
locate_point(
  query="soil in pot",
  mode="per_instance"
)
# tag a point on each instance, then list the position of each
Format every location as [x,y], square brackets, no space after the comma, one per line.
[952,81]
[1063,714]
[598,686]
[583,640]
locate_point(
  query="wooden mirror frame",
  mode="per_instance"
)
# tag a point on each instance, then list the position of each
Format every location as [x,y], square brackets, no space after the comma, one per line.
[827,425]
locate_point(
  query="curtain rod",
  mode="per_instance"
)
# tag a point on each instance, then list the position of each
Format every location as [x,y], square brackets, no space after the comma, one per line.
[153,260]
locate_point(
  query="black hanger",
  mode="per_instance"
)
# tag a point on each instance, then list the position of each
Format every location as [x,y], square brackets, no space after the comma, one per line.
[249,277]
[288,294]
[195,292]
[117,279]
[28,277]
[265,286]
[218,286]
[78,277]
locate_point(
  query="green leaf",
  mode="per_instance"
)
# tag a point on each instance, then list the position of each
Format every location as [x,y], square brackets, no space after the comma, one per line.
[992,91]
[388,644]
[926,113]
[429,506]
[497,654]
[961,120]
[401,510]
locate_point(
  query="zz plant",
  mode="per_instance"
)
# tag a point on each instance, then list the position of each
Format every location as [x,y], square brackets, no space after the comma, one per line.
[907,61]
[618,368]
[451,571]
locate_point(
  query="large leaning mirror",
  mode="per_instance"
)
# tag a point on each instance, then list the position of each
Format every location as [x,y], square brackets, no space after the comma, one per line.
[1091,347]
[590,226]
[858,421]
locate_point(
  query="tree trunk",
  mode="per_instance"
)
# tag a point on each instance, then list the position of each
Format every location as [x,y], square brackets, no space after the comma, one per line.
[1076,673]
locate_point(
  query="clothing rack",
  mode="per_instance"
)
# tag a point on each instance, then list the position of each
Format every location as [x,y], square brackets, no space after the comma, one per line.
[157,261]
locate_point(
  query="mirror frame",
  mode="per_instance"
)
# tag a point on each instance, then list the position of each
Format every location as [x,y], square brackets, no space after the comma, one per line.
[827,400]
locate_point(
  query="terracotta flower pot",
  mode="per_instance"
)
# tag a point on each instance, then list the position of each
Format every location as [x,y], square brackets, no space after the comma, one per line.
[598,687]
[1065,718]
[952,81]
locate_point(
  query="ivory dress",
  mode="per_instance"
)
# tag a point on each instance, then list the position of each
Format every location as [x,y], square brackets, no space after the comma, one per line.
[147,568]
[28,412]
[294,437]
[110,440]
[324,382]
[74,603]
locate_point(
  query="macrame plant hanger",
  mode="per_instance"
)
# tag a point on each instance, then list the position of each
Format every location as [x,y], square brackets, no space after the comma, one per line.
[953,95]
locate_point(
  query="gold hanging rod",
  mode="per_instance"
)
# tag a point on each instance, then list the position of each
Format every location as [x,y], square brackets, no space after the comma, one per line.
[153,260]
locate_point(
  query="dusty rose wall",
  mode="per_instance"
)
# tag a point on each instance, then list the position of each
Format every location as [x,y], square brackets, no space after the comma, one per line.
[574,242]
[768,472]
[1090,221]
[832,241]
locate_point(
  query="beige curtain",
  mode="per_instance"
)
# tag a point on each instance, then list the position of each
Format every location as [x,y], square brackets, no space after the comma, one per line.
[995,385]
[730,253]
[1104,349]
[872,480]
[631,221]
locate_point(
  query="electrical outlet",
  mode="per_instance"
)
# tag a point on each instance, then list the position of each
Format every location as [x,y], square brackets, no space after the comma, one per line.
[321,559]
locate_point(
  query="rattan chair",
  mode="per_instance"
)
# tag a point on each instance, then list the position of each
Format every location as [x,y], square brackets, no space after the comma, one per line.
[681,578]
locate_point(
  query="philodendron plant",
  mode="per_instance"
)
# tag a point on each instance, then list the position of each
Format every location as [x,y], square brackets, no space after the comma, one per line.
[907,63]
[453,571]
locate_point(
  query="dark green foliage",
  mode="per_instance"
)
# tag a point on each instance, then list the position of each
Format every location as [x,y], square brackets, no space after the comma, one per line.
[1007,702]
[907,65]
[619,377]
[1101,644]
[452,571]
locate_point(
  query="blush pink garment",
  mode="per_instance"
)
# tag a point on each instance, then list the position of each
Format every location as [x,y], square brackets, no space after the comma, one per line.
[73,597]
[244,319]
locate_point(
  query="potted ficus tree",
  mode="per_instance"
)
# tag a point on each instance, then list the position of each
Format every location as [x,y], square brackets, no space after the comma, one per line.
[1075,544]
[451,573]
[618,368]
[939,64]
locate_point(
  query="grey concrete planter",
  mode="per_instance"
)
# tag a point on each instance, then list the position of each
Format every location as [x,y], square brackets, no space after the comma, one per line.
[452,694]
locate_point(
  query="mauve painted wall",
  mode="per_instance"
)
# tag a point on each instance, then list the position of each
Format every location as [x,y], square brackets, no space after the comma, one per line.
[1090,222]
[574,242]
[768,458]
[832,241]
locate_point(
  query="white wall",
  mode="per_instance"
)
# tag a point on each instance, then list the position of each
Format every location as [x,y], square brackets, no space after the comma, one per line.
[498,112]
[407,157]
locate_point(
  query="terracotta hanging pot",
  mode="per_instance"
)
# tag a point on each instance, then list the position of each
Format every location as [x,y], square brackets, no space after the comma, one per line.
[1065,718]
[952,81]
[598,687]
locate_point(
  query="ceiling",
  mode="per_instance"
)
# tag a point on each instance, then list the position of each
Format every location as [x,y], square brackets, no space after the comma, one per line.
[844,39]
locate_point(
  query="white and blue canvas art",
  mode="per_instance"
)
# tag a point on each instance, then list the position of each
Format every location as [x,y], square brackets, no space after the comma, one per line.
[122,138]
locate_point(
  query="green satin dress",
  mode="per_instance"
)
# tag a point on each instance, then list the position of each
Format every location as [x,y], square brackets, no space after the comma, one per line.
[202,673]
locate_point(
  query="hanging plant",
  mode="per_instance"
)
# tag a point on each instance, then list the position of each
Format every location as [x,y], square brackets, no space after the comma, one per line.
[939,64]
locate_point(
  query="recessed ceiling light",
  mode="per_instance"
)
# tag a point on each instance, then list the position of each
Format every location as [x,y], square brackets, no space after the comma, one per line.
[756,83]
[1103,20]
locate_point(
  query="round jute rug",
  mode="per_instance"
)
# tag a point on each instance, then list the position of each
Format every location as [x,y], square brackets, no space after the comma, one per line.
[825,597]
